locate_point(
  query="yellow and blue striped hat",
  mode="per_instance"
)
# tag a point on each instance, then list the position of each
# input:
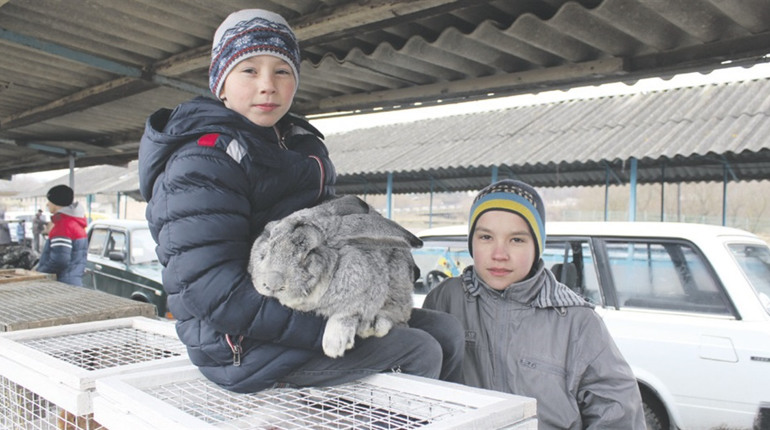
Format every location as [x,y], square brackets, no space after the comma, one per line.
[512,196]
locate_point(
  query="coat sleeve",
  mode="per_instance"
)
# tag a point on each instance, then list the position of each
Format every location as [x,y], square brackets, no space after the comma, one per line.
[56,256]
[608,394]
[203,208]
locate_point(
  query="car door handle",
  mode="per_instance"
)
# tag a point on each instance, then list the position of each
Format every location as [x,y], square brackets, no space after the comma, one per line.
[98,266]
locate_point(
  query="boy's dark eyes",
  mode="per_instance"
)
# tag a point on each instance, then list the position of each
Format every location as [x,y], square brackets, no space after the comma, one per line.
[278,72]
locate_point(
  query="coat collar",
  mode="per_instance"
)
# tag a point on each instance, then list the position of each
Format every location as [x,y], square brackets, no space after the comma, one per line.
[541,290]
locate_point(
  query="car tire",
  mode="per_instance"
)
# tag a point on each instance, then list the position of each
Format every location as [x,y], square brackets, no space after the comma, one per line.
[655,415]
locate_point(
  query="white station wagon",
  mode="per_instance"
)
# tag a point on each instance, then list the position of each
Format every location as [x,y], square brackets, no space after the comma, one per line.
[687,304]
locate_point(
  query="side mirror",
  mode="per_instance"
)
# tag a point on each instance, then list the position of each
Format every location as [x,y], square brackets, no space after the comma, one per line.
[117,256]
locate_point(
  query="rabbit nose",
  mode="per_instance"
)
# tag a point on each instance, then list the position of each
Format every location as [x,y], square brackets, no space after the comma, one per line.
[273,281]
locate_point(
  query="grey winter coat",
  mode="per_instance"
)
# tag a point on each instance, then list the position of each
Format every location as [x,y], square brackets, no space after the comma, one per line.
[539,339]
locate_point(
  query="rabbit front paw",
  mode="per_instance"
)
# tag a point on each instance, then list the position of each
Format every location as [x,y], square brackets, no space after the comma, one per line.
[339,335]
[382,325]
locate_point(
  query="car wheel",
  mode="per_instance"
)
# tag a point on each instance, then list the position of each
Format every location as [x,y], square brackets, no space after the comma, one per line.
[655,415]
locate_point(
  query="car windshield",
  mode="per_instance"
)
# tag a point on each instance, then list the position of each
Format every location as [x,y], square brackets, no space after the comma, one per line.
[142,247]
[754,261]
[445,255]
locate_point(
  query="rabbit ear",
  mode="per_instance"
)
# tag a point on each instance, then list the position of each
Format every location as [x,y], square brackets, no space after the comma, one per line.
[375,230]
[304,237]
[345,205]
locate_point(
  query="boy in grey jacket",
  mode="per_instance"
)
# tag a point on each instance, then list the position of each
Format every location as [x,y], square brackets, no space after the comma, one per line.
[528,334]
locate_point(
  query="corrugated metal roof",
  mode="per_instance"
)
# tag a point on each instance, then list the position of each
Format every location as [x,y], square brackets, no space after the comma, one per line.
[674,135]
[80,77]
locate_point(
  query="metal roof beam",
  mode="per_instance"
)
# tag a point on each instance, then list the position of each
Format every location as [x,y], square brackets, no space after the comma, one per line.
[70,54]
[506,83]
[99,94]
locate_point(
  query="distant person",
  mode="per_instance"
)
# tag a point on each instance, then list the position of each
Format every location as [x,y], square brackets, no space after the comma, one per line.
[5,231]
[38,227]
[65,249]
[528,334]
[21,234]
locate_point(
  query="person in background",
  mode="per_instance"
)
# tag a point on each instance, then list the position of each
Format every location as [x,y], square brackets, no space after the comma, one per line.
[65,250]
[214,171]
[38,227]
[528,334]
[5,231]
[21,233]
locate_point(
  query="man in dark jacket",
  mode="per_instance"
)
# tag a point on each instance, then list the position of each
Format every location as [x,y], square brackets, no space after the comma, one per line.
[214,172]
[66,249]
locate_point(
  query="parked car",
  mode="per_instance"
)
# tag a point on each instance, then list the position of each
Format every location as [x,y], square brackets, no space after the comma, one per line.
[687,304]
[15,220]
[122,261]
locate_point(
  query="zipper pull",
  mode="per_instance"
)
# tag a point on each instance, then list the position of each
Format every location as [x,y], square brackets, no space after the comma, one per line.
[236,348]
[237,355]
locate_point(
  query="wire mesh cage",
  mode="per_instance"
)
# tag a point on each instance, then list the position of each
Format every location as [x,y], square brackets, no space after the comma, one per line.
[47,375]
[182,398]
[31,301]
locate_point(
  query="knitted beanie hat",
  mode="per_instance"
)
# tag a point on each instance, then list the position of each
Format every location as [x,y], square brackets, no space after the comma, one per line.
[248,33]
[61,195]
[512,196]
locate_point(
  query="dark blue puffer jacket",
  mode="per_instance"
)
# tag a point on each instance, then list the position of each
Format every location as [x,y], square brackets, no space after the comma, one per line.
[212,180]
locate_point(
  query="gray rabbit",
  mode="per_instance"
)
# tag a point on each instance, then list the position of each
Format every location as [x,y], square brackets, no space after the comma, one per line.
[342,260]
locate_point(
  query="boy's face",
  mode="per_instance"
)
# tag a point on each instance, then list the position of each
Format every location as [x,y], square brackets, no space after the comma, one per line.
[52,208]
[261,88]
[503,248]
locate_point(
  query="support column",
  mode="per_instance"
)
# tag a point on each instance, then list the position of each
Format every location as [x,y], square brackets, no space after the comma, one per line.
[632,202]
[724,195]
[390,195]
[606,193]
[430,208]
[663,193]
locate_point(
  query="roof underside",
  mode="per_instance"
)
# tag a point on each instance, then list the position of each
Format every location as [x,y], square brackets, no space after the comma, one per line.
[713,132]
[80,77]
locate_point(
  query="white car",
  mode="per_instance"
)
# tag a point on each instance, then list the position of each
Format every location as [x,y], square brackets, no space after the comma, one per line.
[687,304]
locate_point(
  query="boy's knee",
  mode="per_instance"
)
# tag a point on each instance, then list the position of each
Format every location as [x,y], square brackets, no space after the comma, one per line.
[451,334]
[426,355]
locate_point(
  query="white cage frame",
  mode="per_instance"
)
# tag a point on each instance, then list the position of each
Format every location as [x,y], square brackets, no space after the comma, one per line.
[47,375]
[182,398]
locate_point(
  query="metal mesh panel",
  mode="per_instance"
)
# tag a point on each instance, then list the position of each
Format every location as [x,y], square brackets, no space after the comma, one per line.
[355,405]
[32,304]
[108,348]
[24,409]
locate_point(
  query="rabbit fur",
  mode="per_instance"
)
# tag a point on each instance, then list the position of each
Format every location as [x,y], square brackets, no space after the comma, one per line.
[342,260]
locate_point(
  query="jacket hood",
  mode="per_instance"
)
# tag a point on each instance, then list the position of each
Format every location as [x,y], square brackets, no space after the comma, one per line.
[75,210]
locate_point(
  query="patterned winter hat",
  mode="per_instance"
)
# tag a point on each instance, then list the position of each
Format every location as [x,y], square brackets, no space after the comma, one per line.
[248,33]
[512,196]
